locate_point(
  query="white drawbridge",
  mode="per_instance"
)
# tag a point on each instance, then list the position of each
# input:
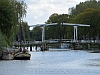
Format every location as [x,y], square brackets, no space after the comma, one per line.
[43,29]
[67,24]
[75,29]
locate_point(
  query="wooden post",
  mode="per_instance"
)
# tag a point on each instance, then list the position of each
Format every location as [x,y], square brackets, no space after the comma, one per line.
[44,47]
[30,47]
[36,47]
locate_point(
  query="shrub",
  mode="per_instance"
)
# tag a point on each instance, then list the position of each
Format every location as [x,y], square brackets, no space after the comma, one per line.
[2,41]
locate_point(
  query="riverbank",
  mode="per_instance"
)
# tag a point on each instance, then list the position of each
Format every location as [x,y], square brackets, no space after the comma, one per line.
[92,49]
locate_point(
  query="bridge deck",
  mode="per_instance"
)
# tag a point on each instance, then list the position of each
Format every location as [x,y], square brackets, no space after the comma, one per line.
[55,41]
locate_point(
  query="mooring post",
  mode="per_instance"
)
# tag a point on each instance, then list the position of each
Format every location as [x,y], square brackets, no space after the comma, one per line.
[36,47]
[30,47]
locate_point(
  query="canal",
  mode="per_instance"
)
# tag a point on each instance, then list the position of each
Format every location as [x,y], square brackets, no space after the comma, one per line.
[54,63]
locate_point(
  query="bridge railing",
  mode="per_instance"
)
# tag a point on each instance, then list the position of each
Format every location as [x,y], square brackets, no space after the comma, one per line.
[56,41]
[89,41]
[26,42]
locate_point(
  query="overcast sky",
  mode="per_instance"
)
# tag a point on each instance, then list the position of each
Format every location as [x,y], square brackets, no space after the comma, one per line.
[39,11]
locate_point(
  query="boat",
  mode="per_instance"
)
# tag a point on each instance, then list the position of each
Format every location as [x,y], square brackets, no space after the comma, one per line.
[65,46]
[24,55]
[6,55]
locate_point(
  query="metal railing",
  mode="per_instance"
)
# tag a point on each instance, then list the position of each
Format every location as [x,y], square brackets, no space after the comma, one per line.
[56,41]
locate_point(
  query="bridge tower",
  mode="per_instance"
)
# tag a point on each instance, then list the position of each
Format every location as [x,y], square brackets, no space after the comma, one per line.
[44,46]
[75,29]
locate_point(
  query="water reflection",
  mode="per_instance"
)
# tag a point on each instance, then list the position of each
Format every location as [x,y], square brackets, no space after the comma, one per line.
[93,62]
[54,63]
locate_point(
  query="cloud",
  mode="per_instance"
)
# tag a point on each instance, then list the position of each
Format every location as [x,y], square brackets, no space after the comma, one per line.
[39,11]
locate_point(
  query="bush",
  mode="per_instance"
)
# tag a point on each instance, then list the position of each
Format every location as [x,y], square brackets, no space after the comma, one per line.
[2,41]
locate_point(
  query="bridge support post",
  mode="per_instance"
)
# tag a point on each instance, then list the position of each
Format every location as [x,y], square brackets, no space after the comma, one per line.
[75,33]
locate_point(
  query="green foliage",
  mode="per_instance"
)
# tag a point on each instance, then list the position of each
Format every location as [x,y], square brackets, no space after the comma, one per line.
[26,31]
[58,31]
[9,10]
[36,33]
[2,41]
[87,12]
[91,17]
[83,6]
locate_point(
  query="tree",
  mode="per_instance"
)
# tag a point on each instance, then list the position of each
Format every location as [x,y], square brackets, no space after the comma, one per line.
[91,17]
[9,19]
[83,6]
[59,31]
[24,34]
[86,13]
[2,41]
[36,33]
[26,31]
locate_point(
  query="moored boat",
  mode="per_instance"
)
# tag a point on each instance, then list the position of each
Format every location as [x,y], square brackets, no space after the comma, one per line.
[24,55]
[7,55]
[65,46]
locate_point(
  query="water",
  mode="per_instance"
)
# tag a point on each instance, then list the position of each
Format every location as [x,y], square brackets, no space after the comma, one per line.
[54,63]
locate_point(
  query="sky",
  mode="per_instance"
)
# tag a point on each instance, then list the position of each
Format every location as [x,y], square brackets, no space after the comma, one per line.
[39,11]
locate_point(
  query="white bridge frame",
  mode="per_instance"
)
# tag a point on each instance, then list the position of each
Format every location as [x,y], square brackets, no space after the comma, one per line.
[43,29]
[75,29]
[67,24]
